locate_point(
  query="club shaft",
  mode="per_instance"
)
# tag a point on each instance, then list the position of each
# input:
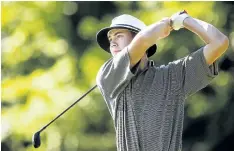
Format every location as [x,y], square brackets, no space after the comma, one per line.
[68,108]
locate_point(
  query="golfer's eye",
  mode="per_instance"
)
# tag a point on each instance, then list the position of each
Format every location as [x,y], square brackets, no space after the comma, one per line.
[119,35]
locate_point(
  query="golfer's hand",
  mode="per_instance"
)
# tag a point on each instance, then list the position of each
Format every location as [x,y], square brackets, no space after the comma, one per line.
[177,20]
[166,29]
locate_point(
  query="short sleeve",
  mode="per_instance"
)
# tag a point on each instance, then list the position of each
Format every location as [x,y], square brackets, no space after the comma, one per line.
[193,73]
[115,75]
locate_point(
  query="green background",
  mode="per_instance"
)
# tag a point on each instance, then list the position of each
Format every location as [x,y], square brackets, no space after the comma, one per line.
[50,58]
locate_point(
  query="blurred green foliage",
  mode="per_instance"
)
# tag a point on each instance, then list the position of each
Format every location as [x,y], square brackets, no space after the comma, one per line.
[50,58]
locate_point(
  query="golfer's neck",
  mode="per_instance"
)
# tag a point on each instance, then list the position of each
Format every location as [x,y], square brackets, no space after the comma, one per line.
[143,63]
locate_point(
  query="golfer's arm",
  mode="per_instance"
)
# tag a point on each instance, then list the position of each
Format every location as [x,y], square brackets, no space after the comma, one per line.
[143,40]
[216,42]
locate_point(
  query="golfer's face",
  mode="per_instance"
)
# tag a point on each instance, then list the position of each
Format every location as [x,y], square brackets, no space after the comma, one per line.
[119,39]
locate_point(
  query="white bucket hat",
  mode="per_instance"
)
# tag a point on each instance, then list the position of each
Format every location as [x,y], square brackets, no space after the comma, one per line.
[126,22]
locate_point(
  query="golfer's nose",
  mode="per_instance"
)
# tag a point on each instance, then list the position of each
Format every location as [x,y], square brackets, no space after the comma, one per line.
[113,44]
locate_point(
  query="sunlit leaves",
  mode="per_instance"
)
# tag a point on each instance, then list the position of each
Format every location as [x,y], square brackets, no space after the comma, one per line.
[90,66]
[199,106]
[42,75]
[70,8]
[88,27]
[14,88]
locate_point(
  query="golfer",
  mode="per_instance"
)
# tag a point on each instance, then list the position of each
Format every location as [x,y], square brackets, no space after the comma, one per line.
[146,101]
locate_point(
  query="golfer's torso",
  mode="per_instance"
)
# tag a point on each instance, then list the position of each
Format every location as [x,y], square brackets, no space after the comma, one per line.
[149,113]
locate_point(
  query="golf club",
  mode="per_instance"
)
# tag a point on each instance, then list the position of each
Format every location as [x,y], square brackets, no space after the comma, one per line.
[36,137]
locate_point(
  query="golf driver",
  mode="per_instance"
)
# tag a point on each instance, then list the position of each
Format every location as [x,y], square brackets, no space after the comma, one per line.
[36,137]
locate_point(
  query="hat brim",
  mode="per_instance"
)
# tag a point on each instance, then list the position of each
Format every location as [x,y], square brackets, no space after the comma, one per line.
[103,41]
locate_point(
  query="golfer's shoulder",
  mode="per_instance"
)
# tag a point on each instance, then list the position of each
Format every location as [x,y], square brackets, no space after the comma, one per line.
[103,69]
[161,68]
[105,66]
[164,69]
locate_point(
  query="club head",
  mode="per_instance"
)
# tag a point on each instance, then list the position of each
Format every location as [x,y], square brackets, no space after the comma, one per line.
[36,140]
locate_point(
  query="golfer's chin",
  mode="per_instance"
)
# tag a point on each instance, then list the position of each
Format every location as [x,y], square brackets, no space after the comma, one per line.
[114,53]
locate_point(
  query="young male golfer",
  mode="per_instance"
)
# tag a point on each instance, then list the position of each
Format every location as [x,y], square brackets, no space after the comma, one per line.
[146,102]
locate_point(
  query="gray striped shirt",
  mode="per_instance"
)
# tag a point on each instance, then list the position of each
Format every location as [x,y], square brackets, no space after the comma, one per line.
[148,107]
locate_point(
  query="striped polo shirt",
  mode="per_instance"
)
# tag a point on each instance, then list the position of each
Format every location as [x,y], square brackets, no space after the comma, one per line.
[147,106]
